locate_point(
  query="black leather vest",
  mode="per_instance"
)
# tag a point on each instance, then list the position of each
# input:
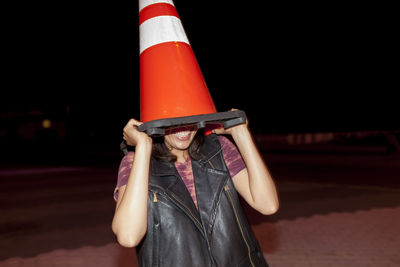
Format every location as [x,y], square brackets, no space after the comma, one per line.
[215,234]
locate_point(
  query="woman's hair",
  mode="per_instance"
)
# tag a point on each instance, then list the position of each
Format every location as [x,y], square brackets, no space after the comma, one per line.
[162,153]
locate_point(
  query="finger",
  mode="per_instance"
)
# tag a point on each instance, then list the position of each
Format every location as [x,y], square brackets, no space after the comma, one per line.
[218,131]
[137,123]
[133,122]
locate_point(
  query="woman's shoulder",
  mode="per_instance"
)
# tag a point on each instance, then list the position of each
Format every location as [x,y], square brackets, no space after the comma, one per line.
[225,142]
[231,155]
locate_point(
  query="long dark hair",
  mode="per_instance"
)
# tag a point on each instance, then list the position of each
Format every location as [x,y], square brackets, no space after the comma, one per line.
[162,153]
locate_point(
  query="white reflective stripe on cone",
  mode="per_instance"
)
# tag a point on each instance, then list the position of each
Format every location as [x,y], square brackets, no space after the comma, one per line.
[144,3]
[161,29]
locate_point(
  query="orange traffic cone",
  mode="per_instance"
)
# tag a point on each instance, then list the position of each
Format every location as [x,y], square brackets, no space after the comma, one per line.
[172,88]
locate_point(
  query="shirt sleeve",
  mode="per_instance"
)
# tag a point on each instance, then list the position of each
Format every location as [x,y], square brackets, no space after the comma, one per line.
[232,157]
[123,172]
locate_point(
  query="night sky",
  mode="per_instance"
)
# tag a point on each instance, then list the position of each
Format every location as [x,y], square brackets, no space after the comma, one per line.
[292,68]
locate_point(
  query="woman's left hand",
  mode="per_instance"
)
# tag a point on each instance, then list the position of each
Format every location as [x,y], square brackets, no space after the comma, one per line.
[234,129]
[254,183]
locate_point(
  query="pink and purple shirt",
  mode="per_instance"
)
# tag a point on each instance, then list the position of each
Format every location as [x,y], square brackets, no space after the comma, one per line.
[230,153]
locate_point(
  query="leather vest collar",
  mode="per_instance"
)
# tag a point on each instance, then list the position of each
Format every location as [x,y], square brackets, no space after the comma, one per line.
[209,183]
[210,149]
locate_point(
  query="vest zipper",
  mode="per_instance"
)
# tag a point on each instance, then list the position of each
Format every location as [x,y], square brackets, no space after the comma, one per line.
[195,218]
[187,209]
[212,165]
[155,197]
[238,222]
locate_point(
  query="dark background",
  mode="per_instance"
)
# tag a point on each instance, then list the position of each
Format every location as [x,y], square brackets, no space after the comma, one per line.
[292,67]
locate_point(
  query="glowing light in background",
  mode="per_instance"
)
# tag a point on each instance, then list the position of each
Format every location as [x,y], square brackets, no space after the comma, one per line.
[46,123]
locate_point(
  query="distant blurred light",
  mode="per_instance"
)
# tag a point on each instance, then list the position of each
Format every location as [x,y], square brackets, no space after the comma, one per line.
[46,123]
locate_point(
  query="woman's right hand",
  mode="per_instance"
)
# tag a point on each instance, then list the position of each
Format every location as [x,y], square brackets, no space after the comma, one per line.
[130,217]
[132,135]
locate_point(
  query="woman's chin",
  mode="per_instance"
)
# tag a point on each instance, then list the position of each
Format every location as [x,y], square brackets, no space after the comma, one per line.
[181,144]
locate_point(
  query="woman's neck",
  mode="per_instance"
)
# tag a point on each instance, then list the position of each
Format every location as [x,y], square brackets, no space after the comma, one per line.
[181,155]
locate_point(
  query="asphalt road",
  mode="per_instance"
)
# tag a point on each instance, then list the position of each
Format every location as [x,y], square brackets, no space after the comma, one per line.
[46,208]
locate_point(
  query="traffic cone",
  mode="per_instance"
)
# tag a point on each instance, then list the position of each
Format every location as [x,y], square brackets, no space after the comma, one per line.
[172,88]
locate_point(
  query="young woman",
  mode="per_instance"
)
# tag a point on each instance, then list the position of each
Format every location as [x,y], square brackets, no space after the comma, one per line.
[176,197]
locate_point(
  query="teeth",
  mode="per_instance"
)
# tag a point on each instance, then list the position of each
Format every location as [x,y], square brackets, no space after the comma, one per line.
[182,134]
